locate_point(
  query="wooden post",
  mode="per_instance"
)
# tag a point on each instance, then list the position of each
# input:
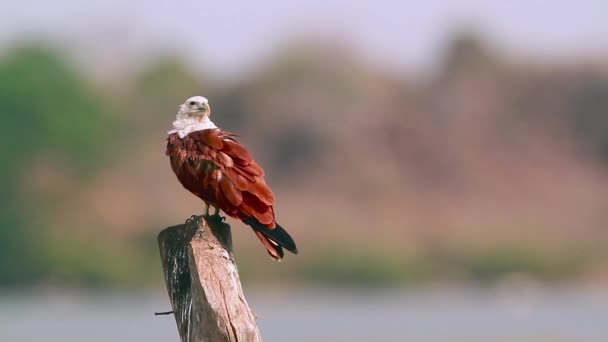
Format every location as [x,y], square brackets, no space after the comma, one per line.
[203,282]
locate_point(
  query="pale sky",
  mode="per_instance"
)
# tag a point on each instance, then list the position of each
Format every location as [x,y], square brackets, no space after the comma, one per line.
[227,37]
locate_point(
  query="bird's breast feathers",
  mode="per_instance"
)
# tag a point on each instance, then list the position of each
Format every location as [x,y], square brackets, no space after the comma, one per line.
[183,127]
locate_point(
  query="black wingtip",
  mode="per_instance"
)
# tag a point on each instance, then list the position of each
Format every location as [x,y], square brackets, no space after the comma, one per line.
[276,234]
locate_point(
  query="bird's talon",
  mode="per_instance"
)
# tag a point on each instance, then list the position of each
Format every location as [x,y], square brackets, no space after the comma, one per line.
[196,219]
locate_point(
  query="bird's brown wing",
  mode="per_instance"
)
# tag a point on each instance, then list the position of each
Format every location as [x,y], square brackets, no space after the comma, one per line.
[213,165]
[216,167]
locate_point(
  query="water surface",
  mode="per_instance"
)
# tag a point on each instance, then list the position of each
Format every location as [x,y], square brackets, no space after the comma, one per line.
[530,314]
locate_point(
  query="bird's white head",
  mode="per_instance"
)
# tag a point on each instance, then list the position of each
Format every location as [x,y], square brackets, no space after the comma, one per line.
[193,115]
[195,107]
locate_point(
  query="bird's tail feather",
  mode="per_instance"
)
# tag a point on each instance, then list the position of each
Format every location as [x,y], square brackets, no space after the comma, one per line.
[275,251]
[274,239]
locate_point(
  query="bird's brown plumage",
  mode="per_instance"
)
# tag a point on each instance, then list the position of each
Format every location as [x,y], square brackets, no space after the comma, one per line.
[214,166]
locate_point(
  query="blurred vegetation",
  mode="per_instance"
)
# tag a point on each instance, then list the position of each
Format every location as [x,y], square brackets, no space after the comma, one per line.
[47,109]
[505,144]
[365,266]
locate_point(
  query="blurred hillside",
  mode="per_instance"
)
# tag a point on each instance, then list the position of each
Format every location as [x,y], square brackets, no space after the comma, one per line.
[488,168]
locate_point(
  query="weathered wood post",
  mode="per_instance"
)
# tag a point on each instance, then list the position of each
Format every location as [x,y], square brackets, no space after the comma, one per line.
[203,282]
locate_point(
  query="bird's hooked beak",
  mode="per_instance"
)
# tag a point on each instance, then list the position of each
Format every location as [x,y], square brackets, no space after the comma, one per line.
[203,107]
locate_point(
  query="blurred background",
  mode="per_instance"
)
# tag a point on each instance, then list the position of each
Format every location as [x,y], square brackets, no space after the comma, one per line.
[443,168]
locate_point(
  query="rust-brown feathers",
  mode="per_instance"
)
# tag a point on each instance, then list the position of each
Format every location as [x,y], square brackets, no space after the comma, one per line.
[214,156]
[214,166]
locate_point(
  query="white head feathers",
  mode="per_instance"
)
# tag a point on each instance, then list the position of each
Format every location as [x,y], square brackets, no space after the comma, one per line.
[194,106]
[193,115]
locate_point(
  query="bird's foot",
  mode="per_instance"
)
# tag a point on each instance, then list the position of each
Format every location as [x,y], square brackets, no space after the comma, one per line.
[215,216]
[196,219]
[215,219]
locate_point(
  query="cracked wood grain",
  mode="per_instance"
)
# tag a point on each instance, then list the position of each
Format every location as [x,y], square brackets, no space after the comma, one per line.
[203,282]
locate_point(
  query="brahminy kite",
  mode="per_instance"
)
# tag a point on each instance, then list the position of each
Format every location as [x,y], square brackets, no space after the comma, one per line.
[213,165]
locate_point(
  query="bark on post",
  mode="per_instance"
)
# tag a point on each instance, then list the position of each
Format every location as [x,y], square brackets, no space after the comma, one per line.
[203,282]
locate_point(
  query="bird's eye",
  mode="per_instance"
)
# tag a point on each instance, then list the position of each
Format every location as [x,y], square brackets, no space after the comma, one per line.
[192,103]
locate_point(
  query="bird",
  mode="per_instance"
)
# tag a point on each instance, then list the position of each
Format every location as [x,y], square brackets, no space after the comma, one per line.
[214,166]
